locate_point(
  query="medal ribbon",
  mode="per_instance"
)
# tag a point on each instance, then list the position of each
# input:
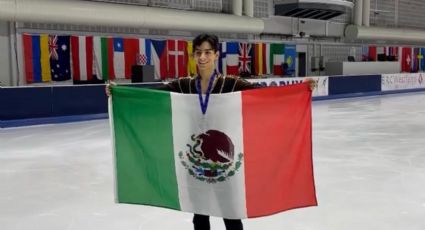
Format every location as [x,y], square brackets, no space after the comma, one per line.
[204,104]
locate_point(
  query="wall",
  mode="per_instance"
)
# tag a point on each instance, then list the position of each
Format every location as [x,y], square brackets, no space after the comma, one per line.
[390,13]
[5,54]
[40,105]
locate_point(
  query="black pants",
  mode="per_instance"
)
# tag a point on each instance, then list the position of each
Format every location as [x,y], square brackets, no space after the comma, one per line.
[201,222]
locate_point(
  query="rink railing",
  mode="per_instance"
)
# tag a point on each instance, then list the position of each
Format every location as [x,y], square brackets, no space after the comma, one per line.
[21,106]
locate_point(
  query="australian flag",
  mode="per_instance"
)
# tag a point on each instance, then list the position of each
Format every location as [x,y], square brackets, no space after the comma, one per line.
[59,53]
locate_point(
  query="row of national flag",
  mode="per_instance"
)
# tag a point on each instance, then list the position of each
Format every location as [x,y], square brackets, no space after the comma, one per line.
[412,58]
[94,58]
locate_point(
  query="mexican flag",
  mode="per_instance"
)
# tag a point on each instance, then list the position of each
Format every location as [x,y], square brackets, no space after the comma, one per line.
[250,155]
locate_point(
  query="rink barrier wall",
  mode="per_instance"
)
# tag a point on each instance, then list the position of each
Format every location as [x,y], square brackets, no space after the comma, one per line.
[25,106]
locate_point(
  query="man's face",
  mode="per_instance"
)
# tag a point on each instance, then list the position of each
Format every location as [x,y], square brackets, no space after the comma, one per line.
[205,56]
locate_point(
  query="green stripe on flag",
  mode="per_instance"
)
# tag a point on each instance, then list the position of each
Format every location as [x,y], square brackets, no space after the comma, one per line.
[104,51]
[144,161]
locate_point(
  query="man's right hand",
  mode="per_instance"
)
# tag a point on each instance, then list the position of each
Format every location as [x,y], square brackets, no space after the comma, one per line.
[108,88]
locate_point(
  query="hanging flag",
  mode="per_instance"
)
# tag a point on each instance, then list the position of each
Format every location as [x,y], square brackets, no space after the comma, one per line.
[406,59]
[259,59]
[290,57]
[221,65]
[159,58]
[191,65]
[104,57]
[245,58]
[277,58]
[82,58]
[232,58]
[59,48]
[36,58]
[257,166]
[177,58]
[131,51]
[119,60]
[365,53]
[392,53]
[144,57]
[372,53]
[269,68]
[381,53]
[422,59]
[415,60]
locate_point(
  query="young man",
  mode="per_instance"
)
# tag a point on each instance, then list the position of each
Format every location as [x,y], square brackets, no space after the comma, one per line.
[207,82]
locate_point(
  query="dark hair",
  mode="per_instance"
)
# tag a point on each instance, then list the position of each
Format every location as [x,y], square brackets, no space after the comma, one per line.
[210,38]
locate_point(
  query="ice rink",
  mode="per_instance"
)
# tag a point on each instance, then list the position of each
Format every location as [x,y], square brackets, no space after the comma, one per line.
[369,166]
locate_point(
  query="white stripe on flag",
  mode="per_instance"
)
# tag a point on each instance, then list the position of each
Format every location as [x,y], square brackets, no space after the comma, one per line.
[119,66]
[82,56]
[218,199]
[232,59]
[155,62]
[278,59]
[97,46]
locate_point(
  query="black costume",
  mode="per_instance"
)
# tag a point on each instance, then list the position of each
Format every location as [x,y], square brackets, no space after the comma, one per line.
[222,84]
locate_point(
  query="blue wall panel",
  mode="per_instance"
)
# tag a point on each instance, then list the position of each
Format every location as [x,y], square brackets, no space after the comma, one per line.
[79,100]
[25,102]
[54,101]
[354,84]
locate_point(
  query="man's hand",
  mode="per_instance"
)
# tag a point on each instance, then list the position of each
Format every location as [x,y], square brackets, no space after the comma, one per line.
[311,82]
[108,86]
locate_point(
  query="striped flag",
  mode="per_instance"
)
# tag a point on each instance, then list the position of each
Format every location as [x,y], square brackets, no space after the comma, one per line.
[36,58]
[259,59]
[249,165]
[191,65]
[159,58]
[277,58]
[144,57]
[232,58]
[131,51]
[82,52]
[104,54]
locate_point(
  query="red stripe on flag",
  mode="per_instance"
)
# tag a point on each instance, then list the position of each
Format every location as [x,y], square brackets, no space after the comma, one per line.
[233,70]
[372,53]
[75,57]
[111,58]
[27,41]
[264,58]
[89,58]
[277,70]
[183,59]
[131,49]
[277,129]
[257,60]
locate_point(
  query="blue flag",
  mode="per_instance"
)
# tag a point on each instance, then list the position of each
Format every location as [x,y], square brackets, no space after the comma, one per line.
[59,52]
[422,59]
[290,57]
